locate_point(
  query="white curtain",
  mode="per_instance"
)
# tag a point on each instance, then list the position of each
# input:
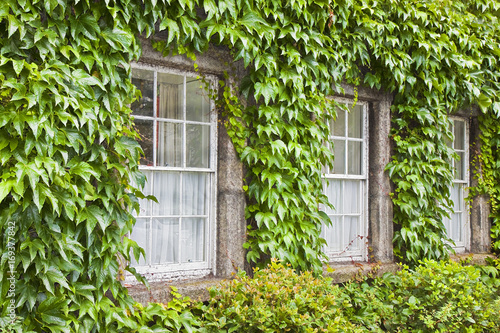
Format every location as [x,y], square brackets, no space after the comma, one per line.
[169,137]
[345,195]
[181,238]
[455,225]
[141,234]
[165,245]
[176,225]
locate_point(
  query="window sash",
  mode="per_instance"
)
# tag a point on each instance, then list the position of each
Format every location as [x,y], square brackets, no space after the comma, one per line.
[346,238]
[457,226]
[177,222]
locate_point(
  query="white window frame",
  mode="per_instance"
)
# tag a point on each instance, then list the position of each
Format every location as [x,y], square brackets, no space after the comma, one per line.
[174,271]
[361,254]
[463,246]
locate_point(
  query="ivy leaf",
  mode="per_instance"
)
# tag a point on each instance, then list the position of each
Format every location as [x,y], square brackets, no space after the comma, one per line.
[268,90]
[85,79]
[484,102]
[173,28]
[119,36]
[85,25]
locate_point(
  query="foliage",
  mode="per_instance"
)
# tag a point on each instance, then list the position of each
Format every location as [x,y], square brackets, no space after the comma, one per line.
[435,297]
[277,299]
[285,52]
[68,154]
[68,150]
[488,163]
[435,56]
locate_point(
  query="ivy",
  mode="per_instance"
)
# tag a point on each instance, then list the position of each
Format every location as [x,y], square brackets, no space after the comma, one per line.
[436,57]
[69,156]
[488,164]
[285,124]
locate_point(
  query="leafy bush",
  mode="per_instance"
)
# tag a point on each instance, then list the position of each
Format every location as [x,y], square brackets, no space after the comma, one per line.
[434,297]
[277,299]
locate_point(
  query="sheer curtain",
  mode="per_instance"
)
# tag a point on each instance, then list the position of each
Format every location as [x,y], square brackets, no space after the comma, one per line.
[175,229]
[181,194]
[342,235]
[170,135]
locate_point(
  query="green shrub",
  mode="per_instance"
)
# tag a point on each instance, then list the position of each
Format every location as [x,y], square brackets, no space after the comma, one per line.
[277,299]
[434,297]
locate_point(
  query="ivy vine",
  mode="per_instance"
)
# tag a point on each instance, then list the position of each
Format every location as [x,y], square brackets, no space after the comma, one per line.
[436,57]
[68,150]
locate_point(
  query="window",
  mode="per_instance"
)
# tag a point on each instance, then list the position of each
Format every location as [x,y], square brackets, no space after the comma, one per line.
[346,184]
[458,227]
[178,133]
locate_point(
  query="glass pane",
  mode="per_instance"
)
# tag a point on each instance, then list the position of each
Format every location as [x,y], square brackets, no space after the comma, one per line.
[355,122]
[459,135]
[145,204]
[144,81]
[169,151]
[141,234]
[334,193]
[171,96]
[339,123]
[459,165]
[351,232]
[192,239]
[456,227]
[197,102]
[198,146]
[354,158]
[455,196]
[447,225]
[165,245]
[195,190]
[339,156]
[166,188]
[145,129]
[333,234]
[461,200]
[352,197]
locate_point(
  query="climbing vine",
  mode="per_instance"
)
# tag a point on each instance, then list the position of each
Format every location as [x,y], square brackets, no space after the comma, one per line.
[434,56]
[69,156]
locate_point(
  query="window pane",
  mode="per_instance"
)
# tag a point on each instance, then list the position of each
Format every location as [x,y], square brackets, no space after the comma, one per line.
[198,146]
[339,123]
[145,204]
[447,224]
[333,234]
[351,233]
[461,199]
[334,193]
[354,159]
[355,122]
[144,81]
[166,188]
[192,239]
[456,222]
[339,156]
[459,135]
[459,165]
[171,96]
[145,129]
[165,245]
[352,197]
[169,150]
[141,234]
[455,197]
[197,102]
[195,190]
